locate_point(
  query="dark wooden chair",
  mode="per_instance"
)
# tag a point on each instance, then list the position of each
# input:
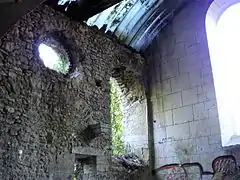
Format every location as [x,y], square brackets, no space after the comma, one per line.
[193,170]
[225,164]
[171,172]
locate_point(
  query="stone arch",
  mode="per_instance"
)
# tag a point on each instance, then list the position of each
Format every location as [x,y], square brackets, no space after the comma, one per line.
[131,82]
[214,13]
[216,9]
[131,77]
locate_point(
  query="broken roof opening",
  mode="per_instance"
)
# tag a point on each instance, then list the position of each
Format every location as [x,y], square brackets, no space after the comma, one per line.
[134,22]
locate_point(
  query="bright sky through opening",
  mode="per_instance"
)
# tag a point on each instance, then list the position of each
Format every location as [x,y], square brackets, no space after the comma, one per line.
[48,55]
[228,29]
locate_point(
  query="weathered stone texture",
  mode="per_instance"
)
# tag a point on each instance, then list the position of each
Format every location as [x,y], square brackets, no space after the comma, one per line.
[186,125]
[135,129]
[44,114]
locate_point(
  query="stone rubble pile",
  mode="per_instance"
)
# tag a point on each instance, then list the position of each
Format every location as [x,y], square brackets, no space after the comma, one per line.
[129,162]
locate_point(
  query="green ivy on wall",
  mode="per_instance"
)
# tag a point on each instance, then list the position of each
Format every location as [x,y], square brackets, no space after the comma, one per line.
[116,119]
[62,65]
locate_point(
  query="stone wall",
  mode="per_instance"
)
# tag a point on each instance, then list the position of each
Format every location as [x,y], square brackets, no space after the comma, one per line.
[135,129]
[185,116]
[45,116]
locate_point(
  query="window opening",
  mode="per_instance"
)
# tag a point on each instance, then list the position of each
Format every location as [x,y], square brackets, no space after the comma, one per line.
[223,40]
[116,118]
[53,60]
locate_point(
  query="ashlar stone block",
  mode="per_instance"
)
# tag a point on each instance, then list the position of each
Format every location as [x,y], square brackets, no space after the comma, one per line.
[190,96]
[178,132]
[172,101]
[180,83]
[183,114]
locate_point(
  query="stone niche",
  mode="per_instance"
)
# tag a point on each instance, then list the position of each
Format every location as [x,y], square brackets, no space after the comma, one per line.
[46,116]
[90,161]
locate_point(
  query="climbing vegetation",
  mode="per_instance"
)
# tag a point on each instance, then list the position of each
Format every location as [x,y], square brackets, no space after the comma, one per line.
[116,119]
[62,65]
